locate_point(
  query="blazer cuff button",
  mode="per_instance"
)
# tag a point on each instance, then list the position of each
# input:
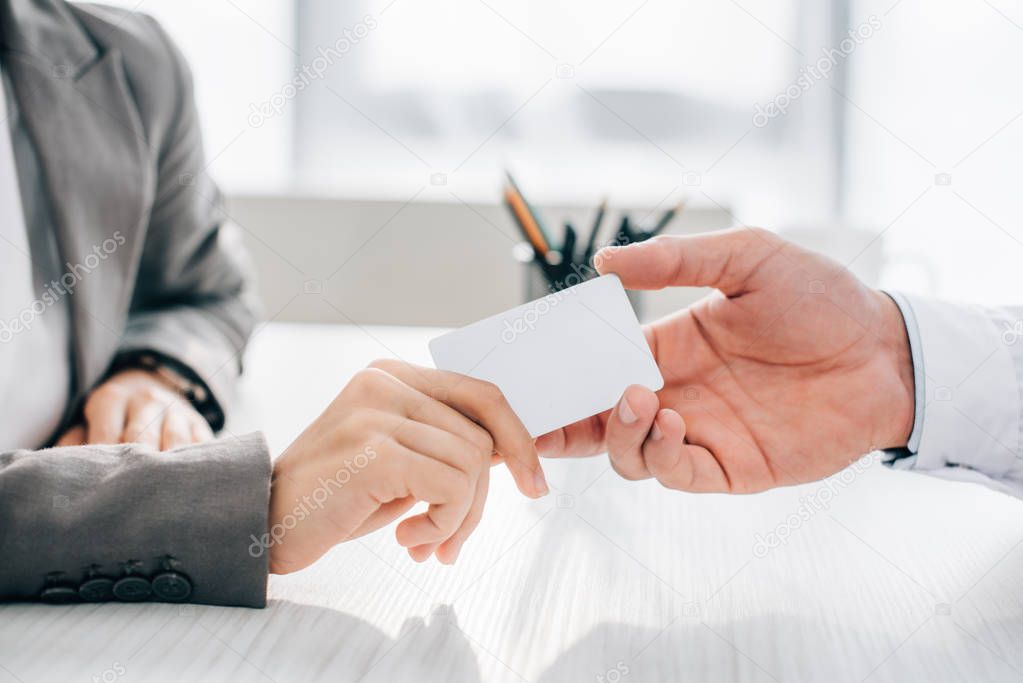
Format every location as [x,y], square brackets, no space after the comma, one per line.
[171,585]
[58,590]
[96,587]
[132,587]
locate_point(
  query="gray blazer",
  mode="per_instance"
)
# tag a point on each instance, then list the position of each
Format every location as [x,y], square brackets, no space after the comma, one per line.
[106,102]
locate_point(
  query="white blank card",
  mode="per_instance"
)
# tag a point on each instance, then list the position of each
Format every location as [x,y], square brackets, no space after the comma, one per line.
[559,359]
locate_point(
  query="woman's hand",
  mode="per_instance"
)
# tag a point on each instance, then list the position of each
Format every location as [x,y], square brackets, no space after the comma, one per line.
[138,406]
[396,435]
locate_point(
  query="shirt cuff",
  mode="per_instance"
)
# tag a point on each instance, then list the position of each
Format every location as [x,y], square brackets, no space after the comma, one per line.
[967,390]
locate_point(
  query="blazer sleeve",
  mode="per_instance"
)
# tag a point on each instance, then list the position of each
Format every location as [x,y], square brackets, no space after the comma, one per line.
[126,523]
[194,301]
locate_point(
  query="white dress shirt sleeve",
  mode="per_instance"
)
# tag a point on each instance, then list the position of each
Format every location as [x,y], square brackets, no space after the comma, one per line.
[968,369]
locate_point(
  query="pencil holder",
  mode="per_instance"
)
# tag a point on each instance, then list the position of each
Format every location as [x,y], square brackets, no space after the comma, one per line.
[537,283]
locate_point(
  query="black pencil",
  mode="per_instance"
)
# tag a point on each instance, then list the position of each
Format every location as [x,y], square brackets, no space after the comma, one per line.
[665,219]
[592,240]
[625,234]
[568,245]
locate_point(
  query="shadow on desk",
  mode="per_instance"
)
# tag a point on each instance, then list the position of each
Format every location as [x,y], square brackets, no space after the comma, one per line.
[295,642]
[292,641]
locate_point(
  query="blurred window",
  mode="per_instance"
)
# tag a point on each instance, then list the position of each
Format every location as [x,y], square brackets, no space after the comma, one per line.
[646,100]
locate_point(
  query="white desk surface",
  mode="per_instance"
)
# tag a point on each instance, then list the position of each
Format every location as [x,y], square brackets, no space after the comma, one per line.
[902,578]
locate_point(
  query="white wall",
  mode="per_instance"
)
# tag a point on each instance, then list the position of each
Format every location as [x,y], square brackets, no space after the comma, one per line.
[424,263]
[938,90]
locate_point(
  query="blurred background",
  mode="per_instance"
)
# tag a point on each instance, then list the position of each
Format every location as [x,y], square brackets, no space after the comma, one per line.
[361,144]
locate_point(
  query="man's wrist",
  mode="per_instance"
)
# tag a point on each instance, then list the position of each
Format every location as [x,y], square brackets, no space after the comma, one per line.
[897,400]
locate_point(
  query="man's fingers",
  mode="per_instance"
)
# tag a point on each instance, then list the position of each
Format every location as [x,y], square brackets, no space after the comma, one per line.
[726,260]
[580,439]
[627,429]
[678,465]
[482,402]
[72,437]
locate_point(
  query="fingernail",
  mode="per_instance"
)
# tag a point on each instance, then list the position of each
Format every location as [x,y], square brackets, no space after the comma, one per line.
[625,412]
[655,432]
[540,484]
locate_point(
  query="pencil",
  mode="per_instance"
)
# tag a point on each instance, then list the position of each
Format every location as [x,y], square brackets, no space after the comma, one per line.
[665,219]
[625,234]
[568,245]
[525,221]
[537,220]
[592,240]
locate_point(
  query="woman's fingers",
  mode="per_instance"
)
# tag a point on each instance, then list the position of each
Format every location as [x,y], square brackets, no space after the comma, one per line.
[466,456]
[449,549]
[177,429]
[201,430]
[384,515]
[445,470]
[145,422]
[449,492]
[430,411]
[105,415]
[153,423]
[484,403]
[72,437]
[403,399]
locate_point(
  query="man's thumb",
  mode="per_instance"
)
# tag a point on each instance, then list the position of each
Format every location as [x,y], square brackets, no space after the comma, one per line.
[725,260]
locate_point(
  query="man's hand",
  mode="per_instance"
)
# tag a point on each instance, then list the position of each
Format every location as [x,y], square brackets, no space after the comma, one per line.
[137,406]
[790,372]
[396,435]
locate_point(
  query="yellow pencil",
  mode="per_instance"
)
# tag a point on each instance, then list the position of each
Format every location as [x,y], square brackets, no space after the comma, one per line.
[525,221]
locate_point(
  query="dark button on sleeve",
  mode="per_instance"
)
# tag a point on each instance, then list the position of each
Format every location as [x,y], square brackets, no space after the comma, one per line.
[59,595]
[58,590]
[170,585]
[96,587]
[132,587]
